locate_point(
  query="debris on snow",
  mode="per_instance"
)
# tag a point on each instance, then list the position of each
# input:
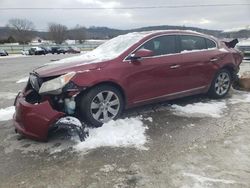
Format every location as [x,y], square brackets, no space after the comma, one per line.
[7,113]
[70,120]
[72,123]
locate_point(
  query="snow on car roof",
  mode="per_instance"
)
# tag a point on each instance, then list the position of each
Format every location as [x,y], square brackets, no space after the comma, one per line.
[116,46]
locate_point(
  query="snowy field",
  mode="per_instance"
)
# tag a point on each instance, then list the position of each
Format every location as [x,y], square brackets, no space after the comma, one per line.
[190,143]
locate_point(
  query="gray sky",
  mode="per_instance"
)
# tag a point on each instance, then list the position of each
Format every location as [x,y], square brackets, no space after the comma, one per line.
[204,17]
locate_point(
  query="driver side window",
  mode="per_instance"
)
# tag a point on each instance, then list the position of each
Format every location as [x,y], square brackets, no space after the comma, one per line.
[161,45]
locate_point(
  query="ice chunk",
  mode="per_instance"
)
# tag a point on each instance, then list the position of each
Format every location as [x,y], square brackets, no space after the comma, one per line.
[7,113]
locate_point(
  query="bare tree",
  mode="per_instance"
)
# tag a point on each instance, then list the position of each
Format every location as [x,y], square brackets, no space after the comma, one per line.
[77,33]
[57,32]
[23,29]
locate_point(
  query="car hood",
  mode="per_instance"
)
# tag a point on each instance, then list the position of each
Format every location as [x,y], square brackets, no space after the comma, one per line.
[62,67]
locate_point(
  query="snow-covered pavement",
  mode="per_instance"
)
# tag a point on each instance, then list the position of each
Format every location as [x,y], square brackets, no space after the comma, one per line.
[192,142]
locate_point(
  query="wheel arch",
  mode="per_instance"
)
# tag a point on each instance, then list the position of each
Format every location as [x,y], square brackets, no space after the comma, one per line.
[232,69]
[110,83]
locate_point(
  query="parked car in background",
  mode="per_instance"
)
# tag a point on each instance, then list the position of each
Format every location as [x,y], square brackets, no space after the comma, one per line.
[244,46]
[58,50]
[73,50]
[37,51]
[46,49]
[3,53]
[127,71]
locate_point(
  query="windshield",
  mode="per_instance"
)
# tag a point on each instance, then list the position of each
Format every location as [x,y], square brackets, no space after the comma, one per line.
[109,50]
[116,46]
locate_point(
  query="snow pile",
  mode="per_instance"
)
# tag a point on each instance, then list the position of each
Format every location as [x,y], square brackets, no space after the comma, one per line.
[7,113]
[200,109]
[128,132]
[25,79]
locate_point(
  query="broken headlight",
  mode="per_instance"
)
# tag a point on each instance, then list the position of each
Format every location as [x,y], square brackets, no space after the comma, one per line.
[55,85]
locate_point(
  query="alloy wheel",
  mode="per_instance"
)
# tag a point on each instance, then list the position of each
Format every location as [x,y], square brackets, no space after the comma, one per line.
[105,106]
[222,83]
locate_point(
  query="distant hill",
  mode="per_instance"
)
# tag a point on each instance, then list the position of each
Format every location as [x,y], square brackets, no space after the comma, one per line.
[106,33]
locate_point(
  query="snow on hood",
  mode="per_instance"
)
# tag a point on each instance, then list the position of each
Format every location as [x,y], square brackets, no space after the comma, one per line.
[56,69]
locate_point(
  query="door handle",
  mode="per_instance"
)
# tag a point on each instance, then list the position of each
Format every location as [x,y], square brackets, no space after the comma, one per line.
[174,66]
[214,59]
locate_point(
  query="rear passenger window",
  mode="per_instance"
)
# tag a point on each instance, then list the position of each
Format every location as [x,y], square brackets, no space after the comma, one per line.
[161,45]
[189,43]
[210,44]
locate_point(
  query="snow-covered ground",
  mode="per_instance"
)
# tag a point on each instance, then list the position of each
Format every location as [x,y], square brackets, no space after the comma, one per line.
[190,144]
[7,95]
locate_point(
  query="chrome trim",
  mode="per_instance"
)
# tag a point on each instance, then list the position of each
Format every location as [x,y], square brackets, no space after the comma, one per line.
[172,94]
[168,34]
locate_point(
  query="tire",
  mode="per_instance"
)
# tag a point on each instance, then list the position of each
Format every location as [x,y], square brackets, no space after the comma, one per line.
[221,84]
[101,104]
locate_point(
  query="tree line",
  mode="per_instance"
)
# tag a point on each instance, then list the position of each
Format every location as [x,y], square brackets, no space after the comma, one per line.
[23,31]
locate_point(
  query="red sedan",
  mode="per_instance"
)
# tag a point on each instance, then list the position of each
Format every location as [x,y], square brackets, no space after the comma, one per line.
[127,71]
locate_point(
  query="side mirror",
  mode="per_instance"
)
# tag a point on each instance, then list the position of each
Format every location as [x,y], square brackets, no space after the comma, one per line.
[141,53]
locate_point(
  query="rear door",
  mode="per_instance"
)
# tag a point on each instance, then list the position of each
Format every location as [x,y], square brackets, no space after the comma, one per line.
[197,58]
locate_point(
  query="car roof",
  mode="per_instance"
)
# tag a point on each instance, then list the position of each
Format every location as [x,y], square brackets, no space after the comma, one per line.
[176,32]
[153,33]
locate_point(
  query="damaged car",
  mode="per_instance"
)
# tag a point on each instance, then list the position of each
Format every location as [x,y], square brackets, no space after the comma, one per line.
[126,71]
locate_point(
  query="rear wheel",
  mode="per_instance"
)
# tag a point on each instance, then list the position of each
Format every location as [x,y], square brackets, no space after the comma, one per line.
[101,104]
[221,84]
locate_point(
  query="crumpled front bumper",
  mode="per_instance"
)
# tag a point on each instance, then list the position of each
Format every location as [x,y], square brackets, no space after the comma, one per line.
[34,120]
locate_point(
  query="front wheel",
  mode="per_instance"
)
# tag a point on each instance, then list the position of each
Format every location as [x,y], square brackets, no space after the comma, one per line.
[221,84]
[101,104]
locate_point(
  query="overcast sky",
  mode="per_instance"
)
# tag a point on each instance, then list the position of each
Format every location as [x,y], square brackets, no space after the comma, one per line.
[204,17]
